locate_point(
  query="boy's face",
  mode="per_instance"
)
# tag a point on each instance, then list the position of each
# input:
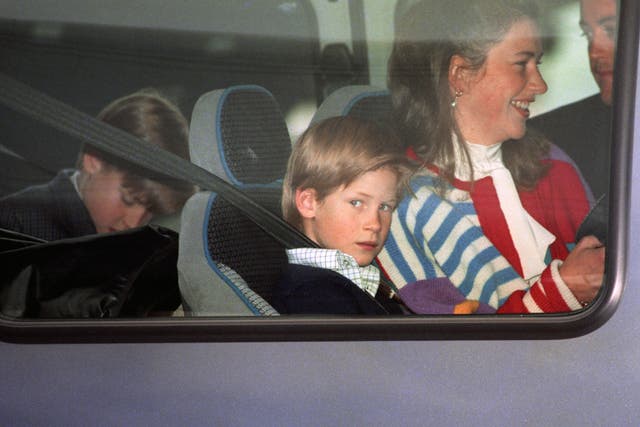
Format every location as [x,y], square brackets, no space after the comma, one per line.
[354,219]
[110,205]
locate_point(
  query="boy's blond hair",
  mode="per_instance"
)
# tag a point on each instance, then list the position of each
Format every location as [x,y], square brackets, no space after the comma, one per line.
[334,153]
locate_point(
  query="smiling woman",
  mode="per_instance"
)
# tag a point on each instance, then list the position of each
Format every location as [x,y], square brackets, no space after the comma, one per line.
[492,103]
[492,204]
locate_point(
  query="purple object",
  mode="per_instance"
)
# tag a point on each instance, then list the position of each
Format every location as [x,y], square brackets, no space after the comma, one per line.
[435,296]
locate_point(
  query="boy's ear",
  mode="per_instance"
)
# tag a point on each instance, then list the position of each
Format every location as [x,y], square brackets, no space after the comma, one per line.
[460,74]
[91,164]
[306,202]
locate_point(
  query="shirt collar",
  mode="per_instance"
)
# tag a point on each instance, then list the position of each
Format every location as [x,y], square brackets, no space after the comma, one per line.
[484,159]
[366,278]
[74,180]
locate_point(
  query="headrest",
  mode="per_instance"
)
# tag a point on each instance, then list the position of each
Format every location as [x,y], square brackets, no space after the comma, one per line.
[367,102]
[240,134]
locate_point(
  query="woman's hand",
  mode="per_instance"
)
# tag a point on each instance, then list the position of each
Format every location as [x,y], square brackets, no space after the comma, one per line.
[583,270]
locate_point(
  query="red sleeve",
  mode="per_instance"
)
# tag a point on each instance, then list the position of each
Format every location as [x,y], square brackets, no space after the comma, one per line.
[559,202]
[548,295]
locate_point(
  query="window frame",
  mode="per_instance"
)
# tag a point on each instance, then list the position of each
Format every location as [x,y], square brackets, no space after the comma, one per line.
[426,327]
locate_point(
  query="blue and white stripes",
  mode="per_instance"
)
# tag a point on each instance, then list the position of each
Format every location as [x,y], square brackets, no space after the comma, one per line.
[433,237]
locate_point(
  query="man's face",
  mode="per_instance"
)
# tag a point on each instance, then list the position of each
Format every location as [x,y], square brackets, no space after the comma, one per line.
[599,22]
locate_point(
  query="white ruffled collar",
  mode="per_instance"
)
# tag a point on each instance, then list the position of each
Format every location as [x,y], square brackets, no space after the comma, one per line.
[484,159]
[529,237]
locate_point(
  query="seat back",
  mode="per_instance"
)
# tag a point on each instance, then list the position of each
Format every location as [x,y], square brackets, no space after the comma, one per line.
[227,264]
[362,101]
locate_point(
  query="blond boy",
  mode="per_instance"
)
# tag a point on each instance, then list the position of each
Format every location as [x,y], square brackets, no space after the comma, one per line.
[344,179]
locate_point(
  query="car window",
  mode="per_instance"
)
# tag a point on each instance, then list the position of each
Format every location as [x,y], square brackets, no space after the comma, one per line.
[245,81]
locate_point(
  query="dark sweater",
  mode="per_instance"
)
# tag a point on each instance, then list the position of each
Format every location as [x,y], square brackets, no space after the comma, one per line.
[312,290]
[49,211]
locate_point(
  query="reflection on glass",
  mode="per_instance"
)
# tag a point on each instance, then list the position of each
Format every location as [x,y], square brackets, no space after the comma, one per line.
[505,161]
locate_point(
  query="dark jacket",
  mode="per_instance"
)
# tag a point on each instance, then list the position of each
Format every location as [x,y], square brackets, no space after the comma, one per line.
[50,211]
[312,290]
[583,131]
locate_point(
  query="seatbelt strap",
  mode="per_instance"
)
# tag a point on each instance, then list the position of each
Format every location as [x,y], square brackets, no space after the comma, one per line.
[24,99]
[4,150]
[81,126]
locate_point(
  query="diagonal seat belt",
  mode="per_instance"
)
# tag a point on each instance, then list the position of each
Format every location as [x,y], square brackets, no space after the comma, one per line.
[31,102]
[24,99]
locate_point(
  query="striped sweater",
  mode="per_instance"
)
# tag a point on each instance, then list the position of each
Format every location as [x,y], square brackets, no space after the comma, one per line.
[463,237]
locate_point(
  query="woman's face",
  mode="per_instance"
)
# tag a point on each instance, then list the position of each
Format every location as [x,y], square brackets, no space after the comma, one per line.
[494,105]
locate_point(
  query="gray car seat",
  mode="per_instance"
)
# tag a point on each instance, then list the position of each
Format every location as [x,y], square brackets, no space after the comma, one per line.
[362,101]
[227,264]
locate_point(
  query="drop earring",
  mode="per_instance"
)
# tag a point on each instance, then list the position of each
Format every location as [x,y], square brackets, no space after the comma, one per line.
[457,95]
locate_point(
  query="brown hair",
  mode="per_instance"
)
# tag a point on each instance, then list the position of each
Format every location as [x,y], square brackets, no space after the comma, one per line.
[152,118]
[335,152]
[427,38]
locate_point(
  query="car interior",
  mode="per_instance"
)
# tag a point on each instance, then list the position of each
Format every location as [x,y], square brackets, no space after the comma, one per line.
[249,77]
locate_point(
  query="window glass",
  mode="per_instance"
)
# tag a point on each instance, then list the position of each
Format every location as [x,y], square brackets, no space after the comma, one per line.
[88,57]
[488,204]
